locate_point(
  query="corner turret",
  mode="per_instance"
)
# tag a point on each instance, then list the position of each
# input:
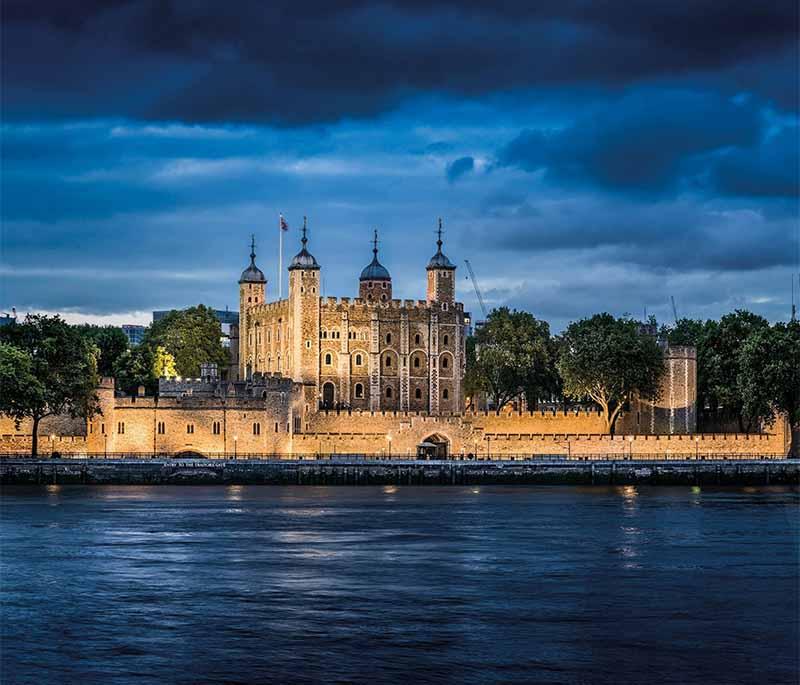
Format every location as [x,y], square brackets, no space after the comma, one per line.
[441,275]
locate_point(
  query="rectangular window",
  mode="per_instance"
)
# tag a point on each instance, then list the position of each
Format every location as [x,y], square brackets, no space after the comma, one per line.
[215,428]
[190,429]
[276,426]
[161,428]
[256,429]
[103,428]
[121,428]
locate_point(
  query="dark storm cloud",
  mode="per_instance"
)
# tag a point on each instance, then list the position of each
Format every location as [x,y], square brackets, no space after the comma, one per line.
[770,170]
[647,141]
[294,63]
[664,236]
[459,167]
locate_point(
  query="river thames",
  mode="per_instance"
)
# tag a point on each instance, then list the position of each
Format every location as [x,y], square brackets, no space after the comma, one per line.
[240,584]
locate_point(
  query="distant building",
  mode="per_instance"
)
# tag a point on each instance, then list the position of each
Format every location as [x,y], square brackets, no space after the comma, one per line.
[8,319]
[134,332]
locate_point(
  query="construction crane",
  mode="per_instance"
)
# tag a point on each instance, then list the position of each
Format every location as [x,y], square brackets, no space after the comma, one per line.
[477,289]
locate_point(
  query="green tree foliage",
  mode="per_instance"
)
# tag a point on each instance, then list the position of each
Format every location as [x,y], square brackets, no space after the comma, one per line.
[111,343]
[52,370]
[511,354]
[719,344]
[769,376]
[136,368]
[163,363]
[609,361]
[192,336]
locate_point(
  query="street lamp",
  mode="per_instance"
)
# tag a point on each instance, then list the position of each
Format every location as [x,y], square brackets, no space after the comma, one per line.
[235,440]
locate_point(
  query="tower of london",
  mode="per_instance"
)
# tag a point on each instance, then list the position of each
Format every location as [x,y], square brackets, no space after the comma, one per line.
[369,352]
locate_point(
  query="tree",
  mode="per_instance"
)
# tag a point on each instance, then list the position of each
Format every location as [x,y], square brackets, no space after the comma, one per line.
[51,370]
[769,376]
[511,354]
[719,364]
[163,363]
[111,342]
[192,336]
[609,360]
[136,368]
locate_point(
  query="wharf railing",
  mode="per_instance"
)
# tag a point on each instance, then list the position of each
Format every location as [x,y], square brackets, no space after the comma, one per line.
[383,457]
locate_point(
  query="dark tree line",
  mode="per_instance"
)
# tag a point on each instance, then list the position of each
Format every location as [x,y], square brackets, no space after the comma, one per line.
[748,371]
[48,367]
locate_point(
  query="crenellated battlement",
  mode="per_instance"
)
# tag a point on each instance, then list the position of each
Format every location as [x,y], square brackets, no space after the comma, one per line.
[266,308]
[341,303]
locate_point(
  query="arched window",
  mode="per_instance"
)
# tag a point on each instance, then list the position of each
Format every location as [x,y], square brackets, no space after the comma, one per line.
[444,362]
[418,394]
[358,360]
[328,359]
[445,394]
[359,391]
[388,393]
[445,339]
[387,361]
[416,362]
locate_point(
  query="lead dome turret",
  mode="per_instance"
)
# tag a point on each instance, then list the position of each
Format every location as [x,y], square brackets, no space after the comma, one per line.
[375,283]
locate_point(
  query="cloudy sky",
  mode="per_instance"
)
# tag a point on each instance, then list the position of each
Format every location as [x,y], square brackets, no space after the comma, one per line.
[584,155]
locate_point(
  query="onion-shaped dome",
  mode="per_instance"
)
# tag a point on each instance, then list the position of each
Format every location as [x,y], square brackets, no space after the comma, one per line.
[303,259]
[252,274]
[440,260]
[375,271]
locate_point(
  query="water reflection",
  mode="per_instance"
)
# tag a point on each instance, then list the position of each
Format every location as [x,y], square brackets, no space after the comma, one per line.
[410,584]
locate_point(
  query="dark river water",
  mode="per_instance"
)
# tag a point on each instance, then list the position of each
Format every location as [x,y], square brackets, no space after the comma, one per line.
[414,585]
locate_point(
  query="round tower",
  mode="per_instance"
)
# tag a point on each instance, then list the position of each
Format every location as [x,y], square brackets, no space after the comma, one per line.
[441,275]
[375,283]
[252,291]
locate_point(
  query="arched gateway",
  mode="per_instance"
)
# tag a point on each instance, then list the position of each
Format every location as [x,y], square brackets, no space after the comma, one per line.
[435,446]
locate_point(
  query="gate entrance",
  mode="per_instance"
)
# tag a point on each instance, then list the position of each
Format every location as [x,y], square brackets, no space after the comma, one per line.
[433,447]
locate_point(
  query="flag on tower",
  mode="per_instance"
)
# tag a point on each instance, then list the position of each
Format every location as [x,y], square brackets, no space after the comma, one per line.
[284,225]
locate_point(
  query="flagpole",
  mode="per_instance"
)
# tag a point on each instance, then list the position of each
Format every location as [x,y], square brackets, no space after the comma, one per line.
[280,257]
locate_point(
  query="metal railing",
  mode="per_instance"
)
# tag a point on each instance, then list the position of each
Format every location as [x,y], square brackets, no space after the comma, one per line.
[382,457]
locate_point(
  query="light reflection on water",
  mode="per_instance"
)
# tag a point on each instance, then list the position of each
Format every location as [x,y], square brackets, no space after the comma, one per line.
[398,584]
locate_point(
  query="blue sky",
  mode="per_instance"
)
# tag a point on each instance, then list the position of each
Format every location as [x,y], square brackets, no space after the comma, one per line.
[585,156]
